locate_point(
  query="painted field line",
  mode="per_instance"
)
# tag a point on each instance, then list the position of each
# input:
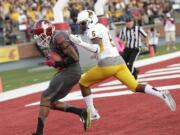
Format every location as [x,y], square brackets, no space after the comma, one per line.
[156,59]
[159,78]
[158,73]
[117,82]
[164,70]
[175,65]
[77,95]
[23,91]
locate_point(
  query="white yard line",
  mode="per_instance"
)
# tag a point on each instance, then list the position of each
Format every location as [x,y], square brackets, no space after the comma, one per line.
[117,82]
[159,73]
[77,94]
[175,65]
[23,91]
[157,59]
[164,70]
[41,86]
[159,78]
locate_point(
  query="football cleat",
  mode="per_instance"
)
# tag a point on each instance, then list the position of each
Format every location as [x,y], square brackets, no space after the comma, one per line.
[85,118]
[95,116]
[168,99]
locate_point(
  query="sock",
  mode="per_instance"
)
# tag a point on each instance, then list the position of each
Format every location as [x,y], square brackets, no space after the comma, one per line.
[152,91]
[40,126]
[89,103]
[72,109]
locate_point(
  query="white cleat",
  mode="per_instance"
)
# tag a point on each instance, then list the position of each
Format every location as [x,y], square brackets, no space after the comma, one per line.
[95,116]
[168,99]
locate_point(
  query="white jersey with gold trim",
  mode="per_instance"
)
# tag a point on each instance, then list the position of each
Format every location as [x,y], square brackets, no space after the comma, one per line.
[107,47]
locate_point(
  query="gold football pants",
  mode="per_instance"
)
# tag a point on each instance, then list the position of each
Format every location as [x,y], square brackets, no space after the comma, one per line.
[98,74]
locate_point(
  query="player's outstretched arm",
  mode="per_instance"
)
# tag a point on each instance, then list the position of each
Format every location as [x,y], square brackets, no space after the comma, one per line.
[90,47]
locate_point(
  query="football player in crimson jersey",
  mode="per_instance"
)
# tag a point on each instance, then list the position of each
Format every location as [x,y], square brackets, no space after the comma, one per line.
[62,54]
[110,63]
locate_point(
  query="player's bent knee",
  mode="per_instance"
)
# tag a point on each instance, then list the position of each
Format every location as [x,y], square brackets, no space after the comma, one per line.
[56,105]
[45,102]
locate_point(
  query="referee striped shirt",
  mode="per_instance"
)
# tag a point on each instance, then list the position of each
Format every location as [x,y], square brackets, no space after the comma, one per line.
[132,36]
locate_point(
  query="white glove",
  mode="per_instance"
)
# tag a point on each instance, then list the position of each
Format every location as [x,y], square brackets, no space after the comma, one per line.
[75,39]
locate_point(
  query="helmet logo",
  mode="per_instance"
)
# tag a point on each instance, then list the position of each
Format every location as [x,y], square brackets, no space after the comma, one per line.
[90,14]
[45,25]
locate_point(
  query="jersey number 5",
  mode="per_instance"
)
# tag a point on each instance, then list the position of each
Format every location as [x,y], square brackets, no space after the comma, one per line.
[93,34]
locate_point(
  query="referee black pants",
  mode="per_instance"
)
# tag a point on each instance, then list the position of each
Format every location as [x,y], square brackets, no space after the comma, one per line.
[130,55]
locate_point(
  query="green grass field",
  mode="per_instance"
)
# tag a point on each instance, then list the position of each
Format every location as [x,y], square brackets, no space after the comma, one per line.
[27,76]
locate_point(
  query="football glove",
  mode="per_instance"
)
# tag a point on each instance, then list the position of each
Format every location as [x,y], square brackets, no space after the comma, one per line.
[50,62]
[75,39]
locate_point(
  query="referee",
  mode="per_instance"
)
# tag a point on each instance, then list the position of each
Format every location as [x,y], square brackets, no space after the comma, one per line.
[131,36]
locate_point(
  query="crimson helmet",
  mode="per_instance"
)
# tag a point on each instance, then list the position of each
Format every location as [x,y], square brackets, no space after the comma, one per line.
[42,31]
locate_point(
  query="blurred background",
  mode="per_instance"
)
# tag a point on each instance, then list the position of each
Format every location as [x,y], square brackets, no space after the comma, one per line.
[17,17]
[18,49]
